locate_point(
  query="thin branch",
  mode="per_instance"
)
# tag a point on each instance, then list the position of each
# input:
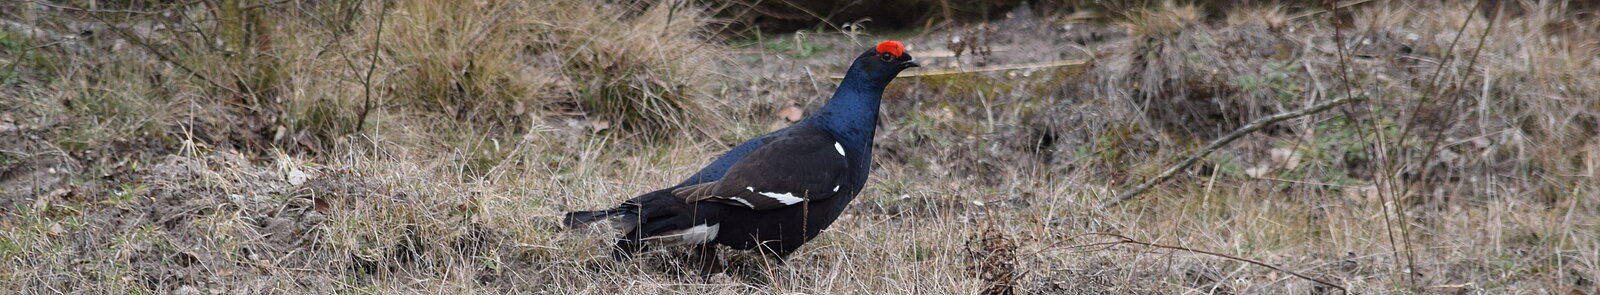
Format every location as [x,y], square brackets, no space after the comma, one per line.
[1455,99]
[372,64]
[1121,239]
[1438,71]
[136,40]
[1361,134]
[1438,135]
[1222,141]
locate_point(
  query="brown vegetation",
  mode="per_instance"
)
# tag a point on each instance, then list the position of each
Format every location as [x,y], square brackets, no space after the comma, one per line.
[245,146]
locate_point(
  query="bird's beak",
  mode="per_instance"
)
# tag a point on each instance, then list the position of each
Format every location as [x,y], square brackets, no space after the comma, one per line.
[912,63]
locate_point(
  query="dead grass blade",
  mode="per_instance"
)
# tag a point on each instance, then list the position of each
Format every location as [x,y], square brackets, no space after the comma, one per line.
[1121,239]
[1220,142]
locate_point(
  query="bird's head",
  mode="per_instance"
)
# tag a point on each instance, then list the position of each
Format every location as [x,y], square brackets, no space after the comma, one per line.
[883,62]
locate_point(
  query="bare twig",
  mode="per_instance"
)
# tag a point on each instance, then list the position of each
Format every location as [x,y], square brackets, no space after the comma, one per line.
[1455,99]
[1121,239]
[1432,87]
[1361,133]
[1221,141]
[1432,145]
[672,9]
[372,64]
[136,40]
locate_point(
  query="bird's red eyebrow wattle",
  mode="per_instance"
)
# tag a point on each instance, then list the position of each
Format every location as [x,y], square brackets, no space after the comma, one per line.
[892,47]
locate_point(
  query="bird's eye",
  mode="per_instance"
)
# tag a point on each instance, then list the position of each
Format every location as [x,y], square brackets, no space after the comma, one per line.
[886,56]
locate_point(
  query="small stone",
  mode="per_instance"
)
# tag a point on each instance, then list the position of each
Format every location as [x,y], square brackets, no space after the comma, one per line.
[1258,171]
[239,200]
[1288,158]
[297,177]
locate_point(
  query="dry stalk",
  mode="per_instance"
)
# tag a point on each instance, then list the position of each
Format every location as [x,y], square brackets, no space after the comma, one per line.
[1386,179]
[136,40]
[1361,133]
[1219,143]
[1362,136]
[1455,99]
[1121,240]
[1433,141]
[372,64]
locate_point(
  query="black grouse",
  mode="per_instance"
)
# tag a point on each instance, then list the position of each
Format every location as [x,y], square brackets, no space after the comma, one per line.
[773,192]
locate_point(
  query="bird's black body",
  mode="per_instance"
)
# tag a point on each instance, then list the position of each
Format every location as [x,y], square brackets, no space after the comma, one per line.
[776,191]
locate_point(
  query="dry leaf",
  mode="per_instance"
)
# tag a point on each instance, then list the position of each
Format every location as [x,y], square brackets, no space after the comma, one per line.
[792,113]
[321,205]
[56,230]
[600,125]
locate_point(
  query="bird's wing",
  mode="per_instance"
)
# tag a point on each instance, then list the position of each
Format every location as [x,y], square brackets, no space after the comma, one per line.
[719,167]
[807,164]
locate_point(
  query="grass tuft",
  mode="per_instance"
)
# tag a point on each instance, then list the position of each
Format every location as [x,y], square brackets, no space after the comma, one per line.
[214,148]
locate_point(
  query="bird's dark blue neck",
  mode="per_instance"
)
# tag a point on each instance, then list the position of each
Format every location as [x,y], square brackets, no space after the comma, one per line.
[851,116]
[852,113]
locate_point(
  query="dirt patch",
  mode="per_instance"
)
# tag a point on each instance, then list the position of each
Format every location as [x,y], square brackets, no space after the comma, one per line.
[31,168]
[218,223]
[1092,276]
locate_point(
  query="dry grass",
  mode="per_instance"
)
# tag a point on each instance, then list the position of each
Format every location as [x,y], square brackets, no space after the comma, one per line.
[239,169]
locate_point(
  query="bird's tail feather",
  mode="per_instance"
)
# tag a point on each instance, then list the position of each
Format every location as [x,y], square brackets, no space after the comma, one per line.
[636,219]
[578,218]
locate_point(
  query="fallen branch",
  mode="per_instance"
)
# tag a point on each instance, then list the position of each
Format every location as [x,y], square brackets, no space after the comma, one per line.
[1121,239]
[1218,143]
[1024,66]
